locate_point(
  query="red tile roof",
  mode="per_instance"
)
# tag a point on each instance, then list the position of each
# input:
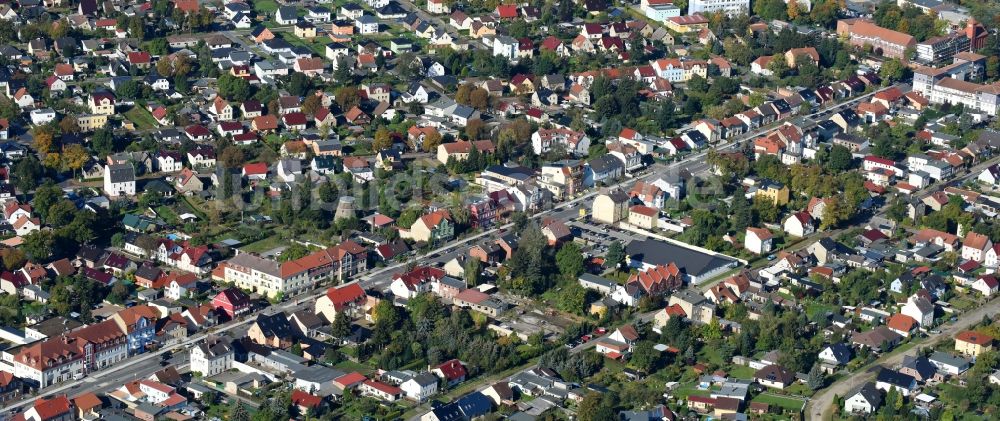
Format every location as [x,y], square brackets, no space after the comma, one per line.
[452,370]
[901,323]
[52,408]
[974,338]
[345,294]
[305,400]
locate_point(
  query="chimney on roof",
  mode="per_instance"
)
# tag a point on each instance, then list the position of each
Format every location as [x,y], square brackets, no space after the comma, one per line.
[970,28]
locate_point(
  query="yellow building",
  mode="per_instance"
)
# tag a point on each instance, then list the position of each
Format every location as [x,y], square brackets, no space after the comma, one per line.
[774,191]
[305,30]
[689,23]
[973,343]
[643,216]
[611,207]
[91,122]
[102,103]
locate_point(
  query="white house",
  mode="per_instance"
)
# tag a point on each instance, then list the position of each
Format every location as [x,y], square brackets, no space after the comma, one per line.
[799,224]
[863,400]
[991,175]
[891,379]
[660,10]
[366,25]
[975,246]
[992,258]
[920,310]
[949,364]
[420,387]
[286,15]
[41,116]
[119,180]
[986,285]
[836,354]
[438,7]
[758,240]
[211,357]
[628,295]
[169,162]
[242,21]
[506,47]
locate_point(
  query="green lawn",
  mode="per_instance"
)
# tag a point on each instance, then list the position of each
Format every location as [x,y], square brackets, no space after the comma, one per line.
[142,119]
[318,44]
[265,7]
[683,392]
[786,402]
[264,245]
[348,365]
[816,308]
[167,214]
[962,303]
[742,372]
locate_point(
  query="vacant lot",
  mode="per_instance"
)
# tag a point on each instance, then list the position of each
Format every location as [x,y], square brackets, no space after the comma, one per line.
[142,119]
[265,7]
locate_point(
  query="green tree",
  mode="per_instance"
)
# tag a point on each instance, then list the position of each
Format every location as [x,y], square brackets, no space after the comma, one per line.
[473,269]
[237,412]
[644,357]
[234,88]
[341,326]
[130,89]
[119,293]
[46,196]
[569,259]
[817,378]
[615,255]
[39,245]
[103,141]
[61,213]
[158,47]
[27,173]
[838,159]
[771,9]
[298,84]
[572,297]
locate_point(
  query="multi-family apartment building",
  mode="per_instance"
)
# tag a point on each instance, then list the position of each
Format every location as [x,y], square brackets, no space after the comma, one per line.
[212,356]
[729,7]
[72,355]
[951,84]
[889,43]
[269,277]
[942,49]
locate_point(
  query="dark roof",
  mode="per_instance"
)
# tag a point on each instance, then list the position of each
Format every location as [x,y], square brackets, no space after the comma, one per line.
[474,405]
[148,272]
[467,407]
[121,173]
[604,164]
[691,262]
[775,373]
[841,352]
[88,7]
[921,365]
[895,378]
[274,325]
[870,393]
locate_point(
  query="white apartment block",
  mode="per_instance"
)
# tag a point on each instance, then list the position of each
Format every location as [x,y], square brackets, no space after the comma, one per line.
[729,7]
